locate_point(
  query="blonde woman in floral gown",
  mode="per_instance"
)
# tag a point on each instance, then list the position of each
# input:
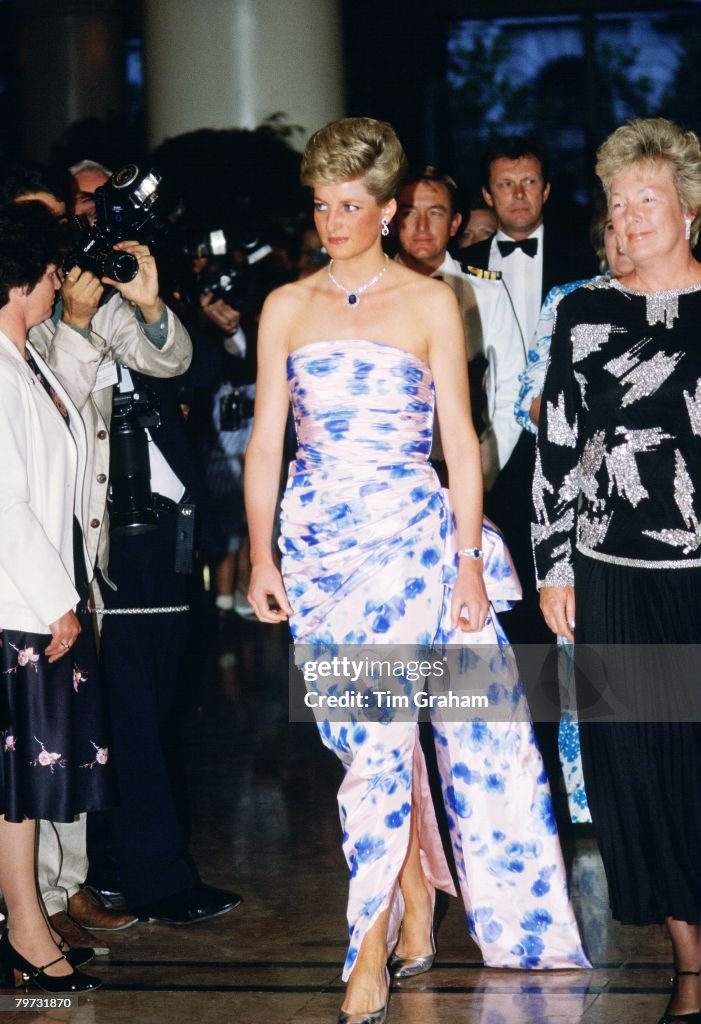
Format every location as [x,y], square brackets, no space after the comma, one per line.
[373,551]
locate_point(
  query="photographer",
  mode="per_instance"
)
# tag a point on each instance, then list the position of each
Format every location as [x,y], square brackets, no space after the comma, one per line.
[83,343]
[230,281]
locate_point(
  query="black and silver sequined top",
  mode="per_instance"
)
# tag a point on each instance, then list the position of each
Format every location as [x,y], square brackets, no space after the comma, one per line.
[618,469]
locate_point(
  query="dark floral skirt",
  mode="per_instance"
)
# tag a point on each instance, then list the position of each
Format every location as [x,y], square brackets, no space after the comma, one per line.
[54,743]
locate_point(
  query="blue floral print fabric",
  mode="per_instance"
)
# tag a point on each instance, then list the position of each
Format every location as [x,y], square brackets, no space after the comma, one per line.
[369,555]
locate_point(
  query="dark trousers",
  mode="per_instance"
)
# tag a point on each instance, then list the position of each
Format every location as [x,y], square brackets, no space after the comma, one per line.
[508,504]
[141,656]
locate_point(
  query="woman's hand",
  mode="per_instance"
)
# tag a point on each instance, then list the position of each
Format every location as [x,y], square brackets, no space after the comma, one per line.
[64,632]
[534,411]
[470,605]
[266,586]
[557,606]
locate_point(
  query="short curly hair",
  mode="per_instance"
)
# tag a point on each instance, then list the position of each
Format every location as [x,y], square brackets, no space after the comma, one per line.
[655,140]
[356,147]
[31,239]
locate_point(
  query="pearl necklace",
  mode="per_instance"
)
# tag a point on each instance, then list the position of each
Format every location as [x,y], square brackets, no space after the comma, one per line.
[353,297]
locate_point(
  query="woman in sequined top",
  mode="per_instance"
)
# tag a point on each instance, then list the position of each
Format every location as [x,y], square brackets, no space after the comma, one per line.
[617,532]
[612,262]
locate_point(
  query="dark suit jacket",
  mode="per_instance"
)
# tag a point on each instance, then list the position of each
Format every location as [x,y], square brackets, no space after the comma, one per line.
[565,258]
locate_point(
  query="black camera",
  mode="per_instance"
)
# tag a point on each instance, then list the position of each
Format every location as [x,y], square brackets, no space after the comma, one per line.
[241,268]
[235,407]
[130,497]
[123,210]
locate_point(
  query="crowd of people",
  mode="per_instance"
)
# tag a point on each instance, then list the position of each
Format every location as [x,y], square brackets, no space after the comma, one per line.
[566,408]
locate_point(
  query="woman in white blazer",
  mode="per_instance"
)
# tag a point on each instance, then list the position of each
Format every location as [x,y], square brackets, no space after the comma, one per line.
[53,742]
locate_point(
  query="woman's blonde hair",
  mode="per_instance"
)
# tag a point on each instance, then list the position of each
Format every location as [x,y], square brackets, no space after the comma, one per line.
[356,147]
[655,140]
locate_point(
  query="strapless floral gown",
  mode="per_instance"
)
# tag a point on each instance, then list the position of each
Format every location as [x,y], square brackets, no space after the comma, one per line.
[369,555]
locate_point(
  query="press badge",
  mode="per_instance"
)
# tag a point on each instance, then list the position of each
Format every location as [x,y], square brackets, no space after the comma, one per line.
[106,375]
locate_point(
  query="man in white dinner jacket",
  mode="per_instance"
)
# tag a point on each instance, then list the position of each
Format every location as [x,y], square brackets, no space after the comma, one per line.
[427,218]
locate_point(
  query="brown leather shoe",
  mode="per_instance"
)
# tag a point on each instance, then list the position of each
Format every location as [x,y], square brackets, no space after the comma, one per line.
[75,936]
[86,908]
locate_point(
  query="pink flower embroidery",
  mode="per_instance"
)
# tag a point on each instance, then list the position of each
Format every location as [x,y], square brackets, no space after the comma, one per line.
[10,742]
[25,656]
[48,759]
[78,677]
[102,756]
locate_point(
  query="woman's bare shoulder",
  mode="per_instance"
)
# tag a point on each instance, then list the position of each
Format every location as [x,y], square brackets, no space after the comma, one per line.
[289,298]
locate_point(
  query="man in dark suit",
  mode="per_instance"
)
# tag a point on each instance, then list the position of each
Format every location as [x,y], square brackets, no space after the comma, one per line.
[532,257]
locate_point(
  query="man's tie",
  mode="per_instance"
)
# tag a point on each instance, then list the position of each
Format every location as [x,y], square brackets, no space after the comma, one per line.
[529,246]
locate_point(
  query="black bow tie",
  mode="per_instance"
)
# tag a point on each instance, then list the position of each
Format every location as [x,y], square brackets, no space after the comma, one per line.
[529,246]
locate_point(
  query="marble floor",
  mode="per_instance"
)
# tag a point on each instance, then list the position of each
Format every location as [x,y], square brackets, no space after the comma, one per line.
[259,794]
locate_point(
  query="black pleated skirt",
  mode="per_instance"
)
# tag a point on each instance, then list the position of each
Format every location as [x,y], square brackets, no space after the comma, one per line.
[54,743]
[643,778]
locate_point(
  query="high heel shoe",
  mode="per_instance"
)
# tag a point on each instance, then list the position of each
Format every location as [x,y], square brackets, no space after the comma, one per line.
[76,957]
[27,974]
[692,1017]
[410,966]
[374,1017]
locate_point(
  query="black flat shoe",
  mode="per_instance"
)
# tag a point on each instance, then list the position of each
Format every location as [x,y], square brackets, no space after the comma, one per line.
[199,903]
[692,1017]
[27,974]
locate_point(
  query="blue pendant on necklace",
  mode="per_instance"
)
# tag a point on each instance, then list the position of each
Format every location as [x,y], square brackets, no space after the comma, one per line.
[352,299]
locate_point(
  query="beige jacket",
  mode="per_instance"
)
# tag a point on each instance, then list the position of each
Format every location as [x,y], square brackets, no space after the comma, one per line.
[115,334]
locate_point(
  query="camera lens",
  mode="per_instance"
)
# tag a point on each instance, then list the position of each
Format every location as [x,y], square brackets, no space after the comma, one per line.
[119,266]
[125,176]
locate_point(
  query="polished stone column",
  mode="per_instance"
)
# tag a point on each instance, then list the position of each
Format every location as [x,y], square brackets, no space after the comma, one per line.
[234,63]
[69,64]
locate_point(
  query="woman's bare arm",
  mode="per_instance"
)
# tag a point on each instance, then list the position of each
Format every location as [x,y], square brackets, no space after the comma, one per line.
[446,352]
[264,458]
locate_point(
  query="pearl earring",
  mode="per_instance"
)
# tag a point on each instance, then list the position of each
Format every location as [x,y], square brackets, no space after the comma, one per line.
[385,227]
[687,232]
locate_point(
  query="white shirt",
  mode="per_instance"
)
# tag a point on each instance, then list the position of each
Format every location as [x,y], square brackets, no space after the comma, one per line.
[523,276]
